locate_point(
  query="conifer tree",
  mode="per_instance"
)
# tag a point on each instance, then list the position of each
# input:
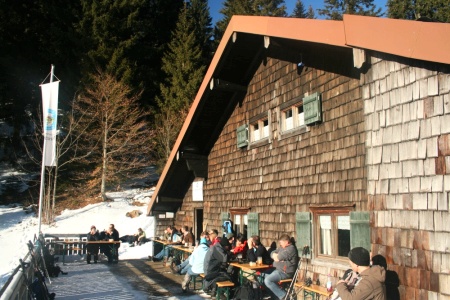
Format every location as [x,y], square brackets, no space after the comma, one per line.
[275,8]
[310,14]
[431,10]
[127,39]
[335,9]
[202,23]
[184,67]
[299,10]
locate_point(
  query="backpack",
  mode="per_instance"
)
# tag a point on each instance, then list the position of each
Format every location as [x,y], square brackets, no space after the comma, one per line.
[249,290]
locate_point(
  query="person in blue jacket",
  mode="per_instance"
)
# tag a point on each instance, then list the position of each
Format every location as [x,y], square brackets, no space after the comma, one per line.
[196,261]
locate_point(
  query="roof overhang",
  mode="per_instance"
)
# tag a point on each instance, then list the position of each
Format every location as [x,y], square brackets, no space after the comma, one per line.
[241,51]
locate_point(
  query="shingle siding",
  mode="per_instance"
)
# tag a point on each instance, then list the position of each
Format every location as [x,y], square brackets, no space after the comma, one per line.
[417,112]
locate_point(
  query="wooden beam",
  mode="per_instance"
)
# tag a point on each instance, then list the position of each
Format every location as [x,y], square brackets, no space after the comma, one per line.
[220,84]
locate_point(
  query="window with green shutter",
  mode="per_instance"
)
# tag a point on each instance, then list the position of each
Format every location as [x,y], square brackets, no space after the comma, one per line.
[360,229]
[253,224]
[303,231]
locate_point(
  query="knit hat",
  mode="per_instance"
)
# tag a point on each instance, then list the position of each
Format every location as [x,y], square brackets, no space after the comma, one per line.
[359,256]
[224,242]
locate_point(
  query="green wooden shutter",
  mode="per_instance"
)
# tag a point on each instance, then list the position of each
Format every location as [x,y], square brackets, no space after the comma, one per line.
[303,228]
[242,136]
[253,224]
[312,107]
[360,229]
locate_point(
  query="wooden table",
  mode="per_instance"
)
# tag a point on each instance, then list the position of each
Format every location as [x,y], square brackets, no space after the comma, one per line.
[111,244]
[164,243]
[180,250]
[314,291]
[243,270]
[69,248]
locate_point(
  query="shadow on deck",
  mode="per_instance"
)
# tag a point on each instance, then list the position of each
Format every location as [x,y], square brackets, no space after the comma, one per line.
[129,279]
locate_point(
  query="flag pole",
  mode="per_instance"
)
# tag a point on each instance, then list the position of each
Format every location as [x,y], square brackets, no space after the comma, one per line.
[43,166]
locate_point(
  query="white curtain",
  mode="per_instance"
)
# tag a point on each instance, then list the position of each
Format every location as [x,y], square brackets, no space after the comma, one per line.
[325,234]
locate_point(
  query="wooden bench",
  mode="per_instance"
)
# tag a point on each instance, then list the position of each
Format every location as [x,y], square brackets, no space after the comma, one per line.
[197,279]
[285,282]
[224,287]
[314,291]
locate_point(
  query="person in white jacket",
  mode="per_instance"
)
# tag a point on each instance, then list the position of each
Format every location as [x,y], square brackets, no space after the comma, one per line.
[196,261]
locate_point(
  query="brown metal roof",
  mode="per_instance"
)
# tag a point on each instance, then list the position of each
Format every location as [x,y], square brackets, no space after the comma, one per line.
[239,54]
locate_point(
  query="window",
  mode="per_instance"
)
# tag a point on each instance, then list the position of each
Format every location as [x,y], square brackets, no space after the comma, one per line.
[259,130]
[336,231]
[292,118]
[239,216]
[332,232]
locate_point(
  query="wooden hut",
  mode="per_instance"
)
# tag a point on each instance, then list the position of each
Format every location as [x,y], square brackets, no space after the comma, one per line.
[335,132]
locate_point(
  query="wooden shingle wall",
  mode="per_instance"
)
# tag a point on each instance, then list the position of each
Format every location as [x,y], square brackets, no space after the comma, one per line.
[322,165]
[407,112]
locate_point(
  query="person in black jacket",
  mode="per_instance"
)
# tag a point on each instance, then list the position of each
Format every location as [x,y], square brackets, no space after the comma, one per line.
[256,249]
[215,265]
[112,252]
[92,249]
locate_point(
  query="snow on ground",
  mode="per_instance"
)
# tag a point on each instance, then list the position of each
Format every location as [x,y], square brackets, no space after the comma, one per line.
[17,227]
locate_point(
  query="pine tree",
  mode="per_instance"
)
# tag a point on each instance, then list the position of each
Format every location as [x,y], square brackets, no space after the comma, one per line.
[299,10]
[184,66]
[127,39]
[432,10]
[310,14]
[201,21]
[335,9]
[275,8]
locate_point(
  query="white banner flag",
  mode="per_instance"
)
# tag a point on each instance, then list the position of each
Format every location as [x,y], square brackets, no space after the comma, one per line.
[50,113]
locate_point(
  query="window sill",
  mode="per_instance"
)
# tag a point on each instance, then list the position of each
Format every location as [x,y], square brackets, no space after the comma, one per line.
[338,263]
[259,143]
[294,131]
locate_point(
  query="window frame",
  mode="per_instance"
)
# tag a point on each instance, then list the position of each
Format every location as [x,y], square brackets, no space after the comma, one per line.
[297,126]
[263,122]
[243,213]
[334,212]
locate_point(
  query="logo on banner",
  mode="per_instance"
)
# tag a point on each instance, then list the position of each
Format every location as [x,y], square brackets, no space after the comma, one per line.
[51,120]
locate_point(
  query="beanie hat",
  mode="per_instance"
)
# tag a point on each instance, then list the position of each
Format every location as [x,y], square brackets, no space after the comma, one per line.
[224,242]
[359,256]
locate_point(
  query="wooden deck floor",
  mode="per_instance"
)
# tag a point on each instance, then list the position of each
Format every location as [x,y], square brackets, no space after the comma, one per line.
[129,279]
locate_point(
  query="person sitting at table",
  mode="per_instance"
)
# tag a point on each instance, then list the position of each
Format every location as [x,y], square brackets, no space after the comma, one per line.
[240,249]
[165,252]
[112,251]
[139,238]
[285,261]
[215,265]
[196,261]
[371,285]
[187,236]
[182,268]
[92,249]
[256,249]
[213,236]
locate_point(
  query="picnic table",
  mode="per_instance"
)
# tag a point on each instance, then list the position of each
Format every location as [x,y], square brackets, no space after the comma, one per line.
[247,270]
[182,252]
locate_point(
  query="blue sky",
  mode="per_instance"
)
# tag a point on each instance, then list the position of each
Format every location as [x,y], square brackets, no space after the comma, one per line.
[216,5]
